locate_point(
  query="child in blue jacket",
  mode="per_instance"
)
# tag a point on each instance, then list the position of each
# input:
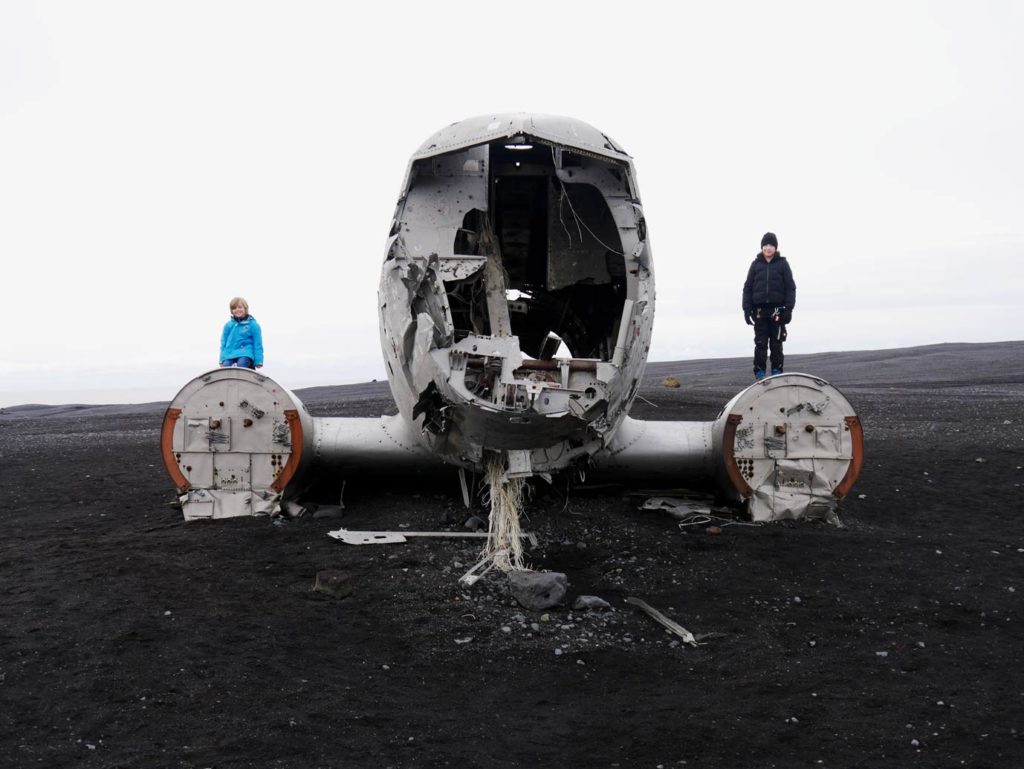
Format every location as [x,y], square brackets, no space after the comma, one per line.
[241,342]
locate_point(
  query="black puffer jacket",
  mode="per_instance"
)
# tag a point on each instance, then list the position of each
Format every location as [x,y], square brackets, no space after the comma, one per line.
[769,283]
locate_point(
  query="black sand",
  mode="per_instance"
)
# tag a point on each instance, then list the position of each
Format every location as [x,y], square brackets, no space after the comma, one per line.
[128,639]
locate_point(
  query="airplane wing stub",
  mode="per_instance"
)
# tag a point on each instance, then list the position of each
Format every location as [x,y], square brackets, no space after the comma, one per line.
[790,446]
[233,440]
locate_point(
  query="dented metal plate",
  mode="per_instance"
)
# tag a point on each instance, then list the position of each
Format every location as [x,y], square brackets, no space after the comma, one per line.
[231,436]
[788,446]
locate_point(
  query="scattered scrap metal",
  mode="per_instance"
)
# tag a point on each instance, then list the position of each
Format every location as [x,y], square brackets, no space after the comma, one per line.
[661,619]
[397,537]
[691,512]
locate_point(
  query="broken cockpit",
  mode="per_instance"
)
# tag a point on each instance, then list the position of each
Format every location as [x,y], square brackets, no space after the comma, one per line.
[517,294]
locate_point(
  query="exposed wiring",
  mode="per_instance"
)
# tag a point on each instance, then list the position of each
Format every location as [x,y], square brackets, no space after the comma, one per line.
[579,221]
[561,218]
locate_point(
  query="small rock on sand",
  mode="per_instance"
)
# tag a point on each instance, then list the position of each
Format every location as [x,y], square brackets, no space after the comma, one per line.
[590,603]
[328,511]
[334,583]
[538,590]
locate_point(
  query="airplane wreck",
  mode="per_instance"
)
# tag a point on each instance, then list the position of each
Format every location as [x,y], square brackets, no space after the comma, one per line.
[515,238]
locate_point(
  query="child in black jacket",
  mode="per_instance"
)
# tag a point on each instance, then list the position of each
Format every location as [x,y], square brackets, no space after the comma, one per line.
[769,295]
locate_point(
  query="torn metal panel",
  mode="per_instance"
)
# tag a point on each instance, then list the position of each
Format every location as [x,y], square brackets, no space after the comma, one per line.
[677,508]
[494,429]
[460,267]
[367,537]
[562,455]
[519,465]
[661,619]
[231,503]
[422,365]
[398,537]
[265,502]
[198,504]
[434,212]
[774,503]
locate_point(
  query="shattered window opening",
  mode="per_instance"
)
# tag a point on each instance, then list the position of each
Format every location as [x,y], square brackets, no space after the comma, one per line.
[559,247]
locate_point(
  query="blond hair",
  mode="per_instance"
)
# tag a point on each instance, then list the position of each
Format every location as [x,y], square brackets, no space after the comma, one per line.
[238,302]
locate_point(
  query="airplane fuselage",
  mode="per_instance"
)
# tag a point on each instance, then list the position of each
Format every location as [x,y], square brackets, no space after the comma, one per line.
[517,239]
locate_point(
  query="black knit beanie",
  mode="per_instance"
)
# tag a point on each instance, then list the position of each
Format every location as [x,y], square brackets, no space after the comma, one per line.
[769,239]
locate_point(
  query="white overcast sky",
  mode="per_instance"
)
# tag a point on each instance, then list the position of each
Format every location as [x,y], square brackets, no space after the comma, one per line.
[157,158]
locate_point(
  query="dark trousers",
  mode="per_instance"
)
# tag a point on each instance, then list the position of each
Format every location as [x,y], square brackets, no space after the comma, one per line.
[768,334]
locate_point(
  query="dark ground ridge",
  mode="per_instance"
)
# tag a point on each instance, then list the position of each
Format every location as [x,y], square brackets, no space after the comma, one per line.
[996,362]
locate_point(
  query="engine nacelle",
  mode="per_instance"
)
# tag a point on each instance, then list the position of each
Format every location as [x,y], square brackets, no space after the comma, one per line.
[233,441]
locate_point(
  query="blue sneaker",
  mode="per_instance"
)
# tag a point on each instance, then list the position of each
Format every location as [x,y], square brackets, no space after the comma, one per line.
[759,374]
[776,371]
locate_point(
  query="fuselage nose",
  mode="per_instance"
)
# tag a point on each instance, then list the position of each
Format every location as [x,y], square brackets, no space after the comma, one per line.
[517,290]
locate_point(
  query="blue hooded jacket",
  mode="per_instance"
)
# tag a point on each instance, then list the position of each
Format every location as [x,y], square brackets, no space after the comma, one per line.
[242,338]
